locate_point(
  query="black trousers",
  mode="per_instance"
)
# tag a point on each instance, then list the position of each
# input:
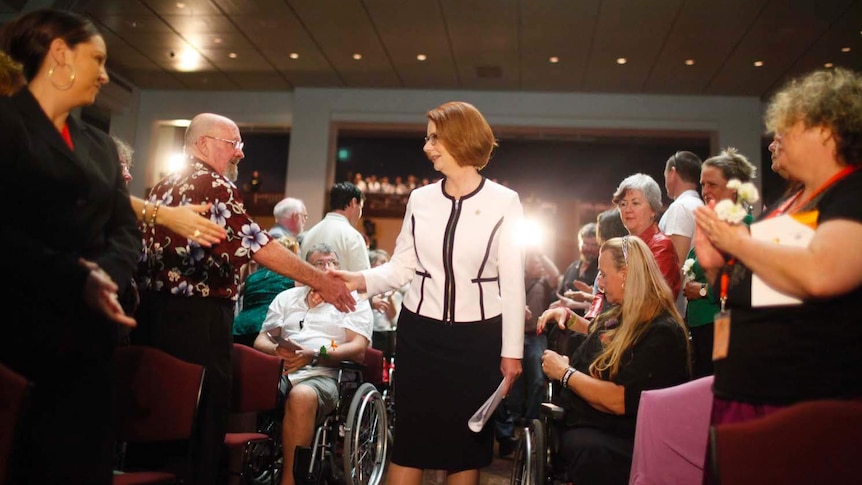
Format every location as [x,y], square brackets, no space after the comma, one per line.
[701,349]
[595,457]
[65,434]
[196,330]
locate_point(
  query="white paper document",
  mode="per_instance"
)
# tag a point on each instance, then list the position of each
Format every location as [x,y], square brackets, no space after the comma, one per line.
[486,410]
[785,230]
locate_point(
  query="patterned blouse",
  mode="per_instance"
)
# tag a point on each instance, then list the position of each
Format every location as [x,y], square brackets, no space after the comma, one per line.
[172,263]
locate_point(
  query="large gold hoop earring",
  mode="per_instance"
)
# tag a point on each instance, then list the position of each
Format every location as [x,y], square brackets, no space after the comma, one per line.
[66,86]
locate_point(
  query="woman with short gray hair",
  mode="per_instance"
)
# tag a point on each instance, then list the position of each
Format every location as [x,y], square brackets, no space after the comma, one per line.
[638,199]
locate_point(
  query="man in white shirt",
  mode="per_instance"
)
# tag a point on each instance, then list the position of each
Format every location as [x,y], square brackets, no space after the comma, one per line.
[681,179]
[338,228]
[316,338]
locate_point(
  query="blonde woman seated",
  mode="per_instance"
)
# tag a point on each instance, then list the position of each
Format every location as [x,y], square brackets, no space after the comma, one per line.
[639,343]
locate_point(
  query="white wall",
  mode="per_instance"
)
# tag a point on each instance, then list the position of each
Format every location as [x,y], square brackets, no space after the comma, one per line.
[310,113]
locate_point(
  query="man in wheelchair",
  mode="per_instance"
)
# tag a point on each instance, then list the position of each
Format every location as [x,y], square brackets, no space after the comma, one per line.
[639,343]
[313,338]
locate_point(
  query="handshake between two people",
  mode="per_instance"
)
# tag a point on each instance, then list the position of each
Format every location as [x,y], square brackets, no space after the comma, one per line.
[336,288]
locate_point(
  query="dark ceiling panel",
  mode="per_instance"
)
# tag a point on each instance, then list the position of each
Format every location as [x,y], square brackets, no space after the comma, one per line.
[782,32]
[845,33]
[705,32]
[558,28]
[476,44]
[208,80]
[635,31]
[191,8]
[342,28]
[395,25]
[484,39]
[133,23]
[154,79]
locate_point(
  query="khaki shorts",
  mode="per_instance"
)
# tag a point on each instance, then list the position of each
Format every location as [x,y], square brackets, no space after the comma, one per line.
[326,388]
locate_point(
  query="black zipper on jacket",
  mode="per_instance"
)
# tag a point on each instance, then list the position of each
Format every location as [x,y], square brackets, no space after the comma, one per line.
[448,270]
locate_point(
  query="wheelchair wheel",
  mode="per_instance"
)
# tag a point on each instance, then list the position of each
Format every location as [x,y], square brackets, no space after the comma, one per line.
[530,455]
[260,468]
[365,441]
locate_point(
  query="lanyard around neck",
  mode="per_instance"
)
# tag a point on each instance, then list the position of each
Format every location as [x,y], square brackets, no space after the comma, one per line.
[791,207]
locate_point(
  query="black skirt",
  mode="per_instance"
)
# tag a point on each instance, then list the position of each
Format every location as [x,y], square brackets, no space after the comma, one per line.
[443,374]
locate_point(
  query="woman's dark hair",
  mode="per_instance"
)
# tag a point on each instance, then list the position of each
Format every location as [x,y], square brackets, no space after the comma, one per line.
[28,38]
[609,224]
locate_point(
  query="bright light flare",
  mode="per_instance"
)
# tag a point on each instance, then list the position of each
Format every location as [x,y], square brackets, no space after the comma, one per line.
[176,162]
[189,60]
[530,233]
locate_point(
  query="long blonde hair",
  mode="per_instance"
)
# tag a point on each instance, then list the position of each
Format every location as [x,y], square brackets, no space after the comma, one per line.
[646,296]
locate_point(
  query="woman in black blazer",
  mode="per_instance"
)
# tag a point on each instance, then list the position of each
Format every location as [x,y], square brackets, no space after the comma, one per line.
[68,237]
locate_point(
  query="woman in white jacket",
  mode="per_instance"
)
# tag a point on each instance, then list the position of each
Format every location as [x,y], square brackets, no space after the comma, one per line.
[462,321]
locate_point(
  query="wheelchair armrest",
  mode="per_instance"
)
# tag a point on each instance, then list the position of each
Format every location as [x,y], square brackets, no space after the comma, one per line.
[350,365]
[552,411]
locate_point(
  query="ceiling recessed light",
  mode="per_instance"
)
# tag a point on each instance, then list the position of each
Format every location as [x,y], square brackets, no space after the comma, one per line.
[689,62]
[181,5]
[357,56]
[421,57]
[758,63]
[828,65]
[554,59]
[294,55]
[232,55]
[622,60]
[217,40]
[845,49]
[187,60]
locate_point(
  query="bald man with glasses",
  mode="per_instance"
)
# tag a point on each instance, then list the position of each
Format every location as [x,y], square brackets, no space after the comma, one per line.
[188,292]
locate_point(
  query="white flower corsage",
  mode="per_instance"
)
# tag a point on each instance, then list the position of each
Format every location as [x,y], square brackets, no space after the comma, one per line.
[734,213]
[686,269]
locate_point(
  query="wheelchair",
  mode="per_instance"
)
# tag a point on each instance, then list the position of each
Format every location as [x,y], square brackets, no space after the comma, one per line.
[351,445]
[384,340]
[537,460]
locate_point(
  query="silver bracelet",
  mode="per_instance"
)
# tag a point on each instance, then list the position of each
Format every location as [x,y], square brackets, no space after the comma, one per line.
[564,381]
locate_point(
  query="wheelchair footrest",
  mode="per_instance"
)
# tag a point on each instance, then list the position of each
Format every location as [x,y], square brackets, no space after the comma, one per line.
[304,472]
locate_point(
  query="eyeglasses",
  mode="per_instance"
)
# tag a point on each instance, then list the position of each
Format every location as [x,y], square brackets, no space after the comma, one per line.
[237,144]
[323,263]
[432,139]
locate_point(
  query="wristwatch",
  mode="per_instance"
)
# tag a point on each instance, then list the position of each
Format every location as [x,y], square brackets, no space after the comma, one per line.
[702,291]
[315,358]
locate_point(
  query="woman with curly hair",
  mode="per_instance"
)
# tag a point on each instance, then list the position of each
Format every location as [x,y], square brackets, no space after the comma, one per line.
[810,345]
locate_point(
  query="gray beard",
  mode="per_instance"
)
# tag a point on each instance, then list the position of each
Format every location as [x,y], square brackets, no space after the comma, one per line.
[232,172]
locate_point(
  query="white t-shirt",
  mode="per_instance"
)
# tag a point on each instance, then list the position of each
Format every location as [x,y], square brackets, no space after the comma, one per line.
[317,326]
[348,243]
[678,219]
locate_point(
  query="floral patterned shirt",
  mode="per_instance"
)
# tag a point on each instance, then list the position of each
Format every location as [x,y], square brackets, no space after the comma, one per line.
[172,263]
